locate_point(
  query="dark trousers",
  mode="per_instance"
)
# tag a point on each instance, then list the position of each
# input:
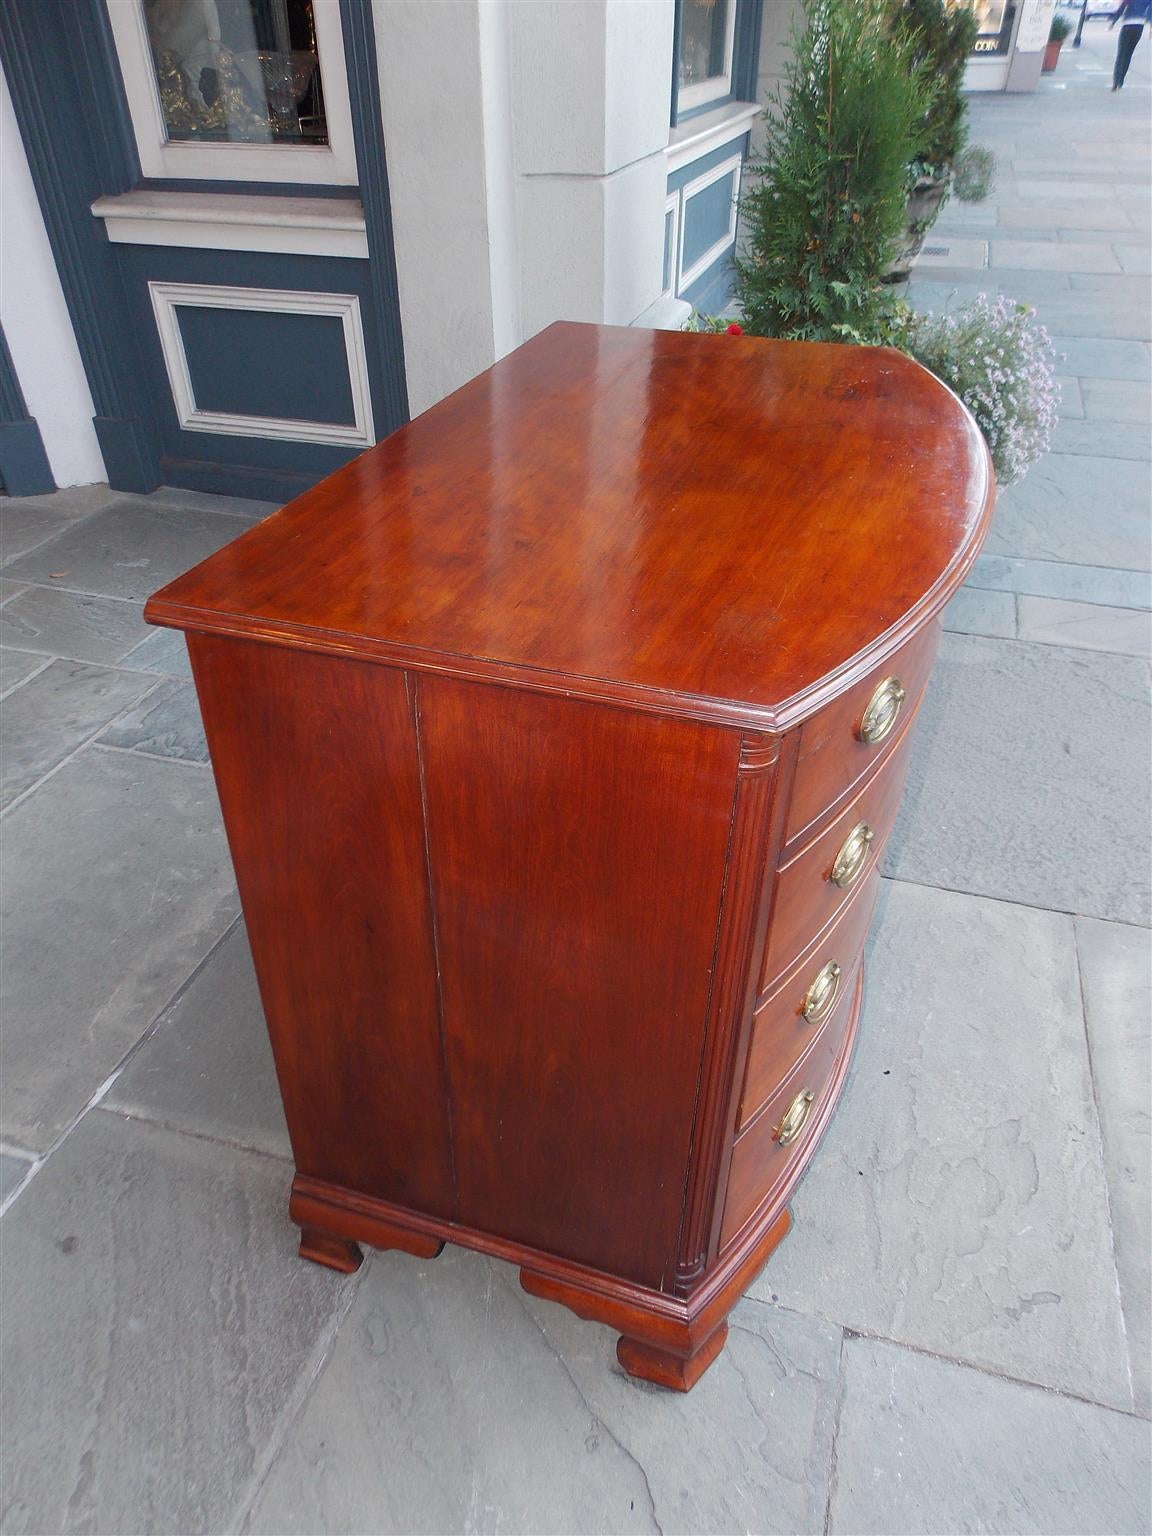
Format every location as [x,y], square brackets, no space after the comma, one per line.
[1129,37]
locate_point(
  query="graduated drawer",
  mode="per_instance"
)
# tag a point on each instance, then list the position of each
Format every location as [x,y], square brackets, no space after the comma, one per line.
[808,1001]
[766,1149]
[817,883]
[834,753]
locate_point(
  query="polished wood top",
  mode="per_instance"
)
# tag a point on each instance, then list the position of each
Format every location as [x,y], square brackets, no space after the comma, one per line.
[714,526]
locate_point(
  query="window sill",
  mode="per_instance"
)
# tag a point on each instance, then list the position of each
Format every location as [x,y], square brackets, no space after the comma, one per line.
[699,136]
[298,226]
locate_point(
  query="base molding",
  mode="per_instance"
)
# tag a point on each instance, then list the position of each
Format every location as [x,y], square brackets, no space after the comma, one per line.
[664,1338]
[678,1374]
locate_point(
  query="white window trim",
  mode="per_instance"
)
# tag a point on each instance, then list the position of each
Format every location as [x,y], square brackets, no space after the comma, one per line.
[704,91]
[331,164]
[699,136]
[236,221]
[345,306]
[672,206]
[730,167]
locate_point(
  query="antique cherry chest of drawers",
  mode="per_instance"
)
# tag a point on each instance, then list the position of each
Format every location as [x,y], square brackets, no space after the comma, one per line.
[558,738]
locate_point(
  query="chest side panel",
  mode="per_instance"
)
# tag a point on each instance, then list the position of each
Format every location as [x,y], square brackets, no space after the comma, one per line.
[316,763]
[578,858]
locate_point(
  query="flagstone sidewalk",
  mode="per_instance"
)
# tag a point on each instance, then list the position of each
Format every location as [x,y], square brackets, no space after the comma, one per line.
[955,1336]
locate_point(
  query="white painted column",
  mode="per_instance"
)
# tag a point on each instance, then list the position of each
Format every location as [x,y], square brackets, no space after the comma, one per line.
[525,143]
[591,88]
[432,105]
[36,320]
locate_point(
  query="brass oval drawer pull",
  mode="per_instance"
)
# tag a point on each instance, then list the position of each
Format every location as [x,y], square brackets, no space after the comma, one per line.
[822,994]
[853,856]
[882,711]
[795,1117]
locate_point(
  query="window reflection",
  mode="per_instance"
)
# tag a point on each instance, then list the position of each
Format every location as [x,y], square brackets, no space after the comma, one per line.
[994,22]
[242,71]
[703,40]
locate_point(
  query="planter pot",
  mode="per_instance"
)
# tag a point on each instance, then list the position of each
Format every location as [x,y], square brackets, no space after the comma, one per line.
[1051,56]
[923,206]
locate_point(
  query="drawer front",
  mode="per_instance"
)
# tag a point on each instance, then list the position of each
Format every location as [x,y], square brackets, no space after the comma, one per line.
[769,1147]
[808,1002]
[818,883]
[840,744]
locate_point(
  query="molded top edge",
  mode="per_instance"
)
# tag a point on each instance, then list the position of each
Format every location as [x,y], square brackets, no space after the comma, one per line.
[723,527]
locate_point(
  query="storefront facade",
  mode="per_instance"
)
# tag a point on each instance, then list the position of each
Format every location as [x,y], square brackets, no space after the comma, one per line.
[1009,50]
[279,227]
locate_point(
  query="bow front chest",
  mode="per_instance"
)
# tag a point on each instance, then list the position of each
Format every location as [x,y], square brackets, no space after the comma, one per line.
[557,739]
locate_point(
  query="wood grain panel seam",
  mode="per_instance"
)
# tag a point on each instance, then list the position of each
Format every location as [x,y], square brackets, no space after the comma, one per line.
[412,691]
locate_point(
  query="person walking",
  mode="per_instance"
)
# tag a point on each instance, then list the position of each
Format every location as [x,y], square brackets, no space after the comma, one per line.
[1136,15]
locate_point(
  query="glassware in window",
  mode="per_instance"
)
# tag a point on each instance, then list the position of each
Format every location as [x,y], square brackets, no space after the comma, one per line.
[237,71]
[703,41]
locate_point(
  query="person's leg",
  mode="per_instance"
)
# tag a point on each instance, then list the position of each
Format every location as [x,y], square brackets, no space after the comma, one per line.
[1129,37]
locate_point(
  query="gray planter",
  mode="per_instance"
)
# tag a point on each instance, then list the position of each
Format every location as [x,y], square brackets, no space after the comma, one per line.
[923,206]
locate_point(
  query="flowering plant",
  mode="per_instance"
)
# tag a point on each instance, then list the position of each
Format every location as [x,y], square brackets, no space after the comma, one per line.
[973,173]
[1002,364]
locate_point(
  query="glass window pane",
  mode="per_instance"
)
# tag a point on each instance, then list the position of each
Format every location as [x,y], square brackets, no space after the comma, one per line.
[238,71]
[703,35]
[994,20]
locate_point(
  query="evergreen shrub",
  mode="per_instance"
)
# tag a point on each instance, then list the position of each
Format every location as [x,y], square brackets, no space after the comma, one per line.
[826,209]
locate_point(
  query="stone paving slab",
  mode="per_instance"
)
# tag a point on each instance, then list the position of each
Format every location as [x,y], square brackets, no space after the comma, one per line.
[1029,779]
[1117,400]
[1102,216]
[73,502]
[1134,258]
[454,1402]
[1053,621]
[157,1328]
[1125,290]
[952,1206]
[95,629]
[166,723]
[1076,169]
[15,666]
[28,521]
[1060,308]
[207,1067]
[1116,975]
[55,712]
[976,612]
[205,501]
[1051,191]
[930,1447]
[116,884]
[165,650]
[129,548]
[1111,439]
[25,528]
[1071,400]
[1094,358]
[12,1171]
[1082,510]
[1057,256]
[1049,578]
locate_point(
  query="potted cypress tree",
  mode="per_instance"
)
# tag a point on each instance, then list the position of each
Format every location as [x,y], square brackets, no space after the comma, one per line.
[826,207]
